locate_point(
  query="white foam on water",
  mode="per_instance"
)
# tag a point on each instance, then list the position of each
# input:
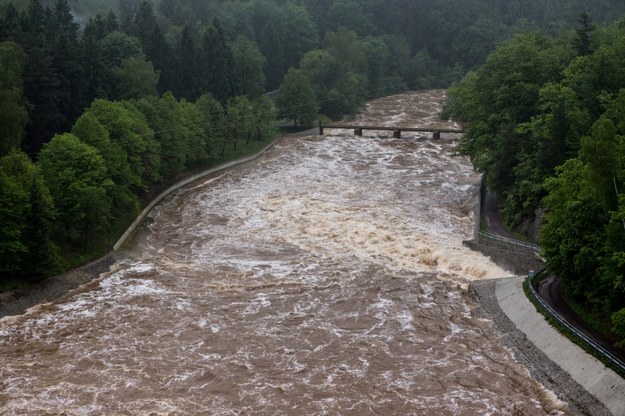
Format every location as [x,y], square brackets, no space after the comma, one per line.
[327,279]
[405,319]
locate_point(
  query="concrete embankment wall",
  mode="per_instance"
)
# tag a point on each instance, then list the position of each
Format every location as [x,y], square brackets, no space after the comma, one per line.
[588,386]
[518,262]
[496,304]
[141,217]
[17,302]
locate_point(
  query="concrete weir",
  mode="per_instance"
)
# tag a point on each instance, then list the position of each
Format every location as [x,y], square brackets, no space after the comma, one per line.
[590,373]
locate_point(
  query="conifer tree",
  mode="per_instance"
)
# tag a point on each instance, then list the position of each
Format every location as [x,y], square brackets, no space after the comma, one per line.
[39,257]
[583,35]
[216,63]
[273,50]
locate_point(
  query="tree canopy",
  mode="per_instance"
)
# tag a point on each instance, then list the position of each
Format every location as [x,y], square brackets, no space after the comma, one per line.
[545,124]
[100,116]
[296,99]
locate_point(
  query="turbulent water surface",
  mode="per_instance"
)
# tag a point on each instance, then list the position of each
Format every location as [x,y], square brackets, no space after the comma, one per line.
[328,278]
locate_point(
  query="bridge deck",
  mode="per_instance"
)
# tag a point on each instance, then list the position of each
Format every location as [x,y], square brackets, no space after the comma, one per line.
[396,128]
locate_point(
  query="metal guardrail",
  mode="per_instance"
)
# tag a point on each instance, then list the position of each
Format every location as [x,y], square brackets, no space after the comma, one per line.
[535,249]
[509,242]
[607,355]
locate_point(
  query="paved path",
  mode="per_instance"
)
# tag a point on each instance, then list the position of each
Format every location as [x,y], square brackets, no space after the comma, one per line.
[492,217]
[589,372]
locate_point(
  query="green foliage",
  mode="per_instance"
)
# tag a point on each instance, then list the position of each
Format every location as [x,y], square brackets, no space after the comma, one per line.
[13,207]
[135,78]
[350,54]
[188,68]
[618,325]
[64,72]
[248,78]
[300,31]
[179,131]
[42,90]
[584,32]
[598,151]
[529,109]
[216,63]
[501,95]
[118,46]
[322,71]
[129,130]
[213,116]
[37,256]
[264,117]
[199,144]
[550,138]
[296,99]
[572,235]
[89,130]
[546,124]
[13,106]
[79,184]
[272,48]
[239,120]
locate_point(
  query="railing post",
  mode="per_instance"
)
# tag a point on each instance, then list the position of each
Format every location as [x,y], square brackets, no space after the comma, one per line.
[358,132]
[397,134]
[320,128]
[436,135]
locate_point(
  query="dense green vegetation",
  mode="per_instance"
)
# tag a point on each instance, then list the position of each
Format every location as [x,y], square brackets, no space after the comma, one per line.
[100,108]
[546,124]
[85,136]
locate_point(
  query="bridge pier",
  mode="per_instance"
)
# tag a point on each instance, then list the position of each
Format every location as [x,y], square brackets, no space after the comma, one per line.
[436,132]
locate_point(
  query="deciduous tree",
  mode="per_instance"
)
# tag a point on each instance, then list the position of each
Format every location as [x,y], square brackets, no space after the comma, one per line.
[79,184]
[247,74]
[296,99]
[135,78]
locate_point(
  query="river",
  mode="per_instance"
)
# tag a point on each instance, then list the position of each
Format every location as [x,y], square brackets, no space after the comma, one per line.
[327,278]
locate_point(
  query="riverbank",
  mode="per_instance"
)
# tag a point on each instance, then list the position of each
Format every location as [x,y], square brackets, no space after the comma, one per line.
[540,366]
[18,301]
[56,287]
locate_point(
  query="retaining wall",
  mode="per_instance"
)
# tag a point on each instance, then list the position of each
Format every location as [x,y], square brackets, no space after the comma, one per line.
[141,217]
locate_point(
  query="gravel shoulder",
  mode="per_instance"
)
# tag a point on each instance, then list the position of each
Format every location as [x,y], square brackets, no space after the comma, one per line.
[545,371]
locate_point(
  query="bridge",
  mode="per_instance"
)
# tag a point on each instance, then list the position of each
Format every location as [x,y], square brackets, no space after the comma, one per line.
[358,129]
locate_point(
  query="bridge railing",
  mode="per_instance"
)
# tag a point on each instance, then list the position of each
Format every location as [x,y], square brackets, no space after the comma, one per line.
[397,130]
[599,349]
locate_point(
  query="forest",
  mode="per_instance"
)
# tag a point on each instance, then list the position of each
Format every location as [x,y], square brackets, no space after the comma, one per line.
[545,120]
[102,104]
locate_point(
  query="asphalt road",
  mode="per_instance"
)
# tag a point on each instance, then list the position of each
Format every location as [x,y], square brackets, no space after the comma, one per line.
[492,217]
[549,289]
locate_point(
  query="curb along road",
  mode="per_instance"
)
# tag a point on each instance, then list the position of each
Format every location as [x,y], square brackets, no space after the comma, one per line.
[592,375]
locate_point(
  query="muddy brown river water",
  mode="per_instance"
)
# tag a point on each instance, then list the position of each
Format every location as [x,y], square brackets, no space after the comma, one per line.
[328,278]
